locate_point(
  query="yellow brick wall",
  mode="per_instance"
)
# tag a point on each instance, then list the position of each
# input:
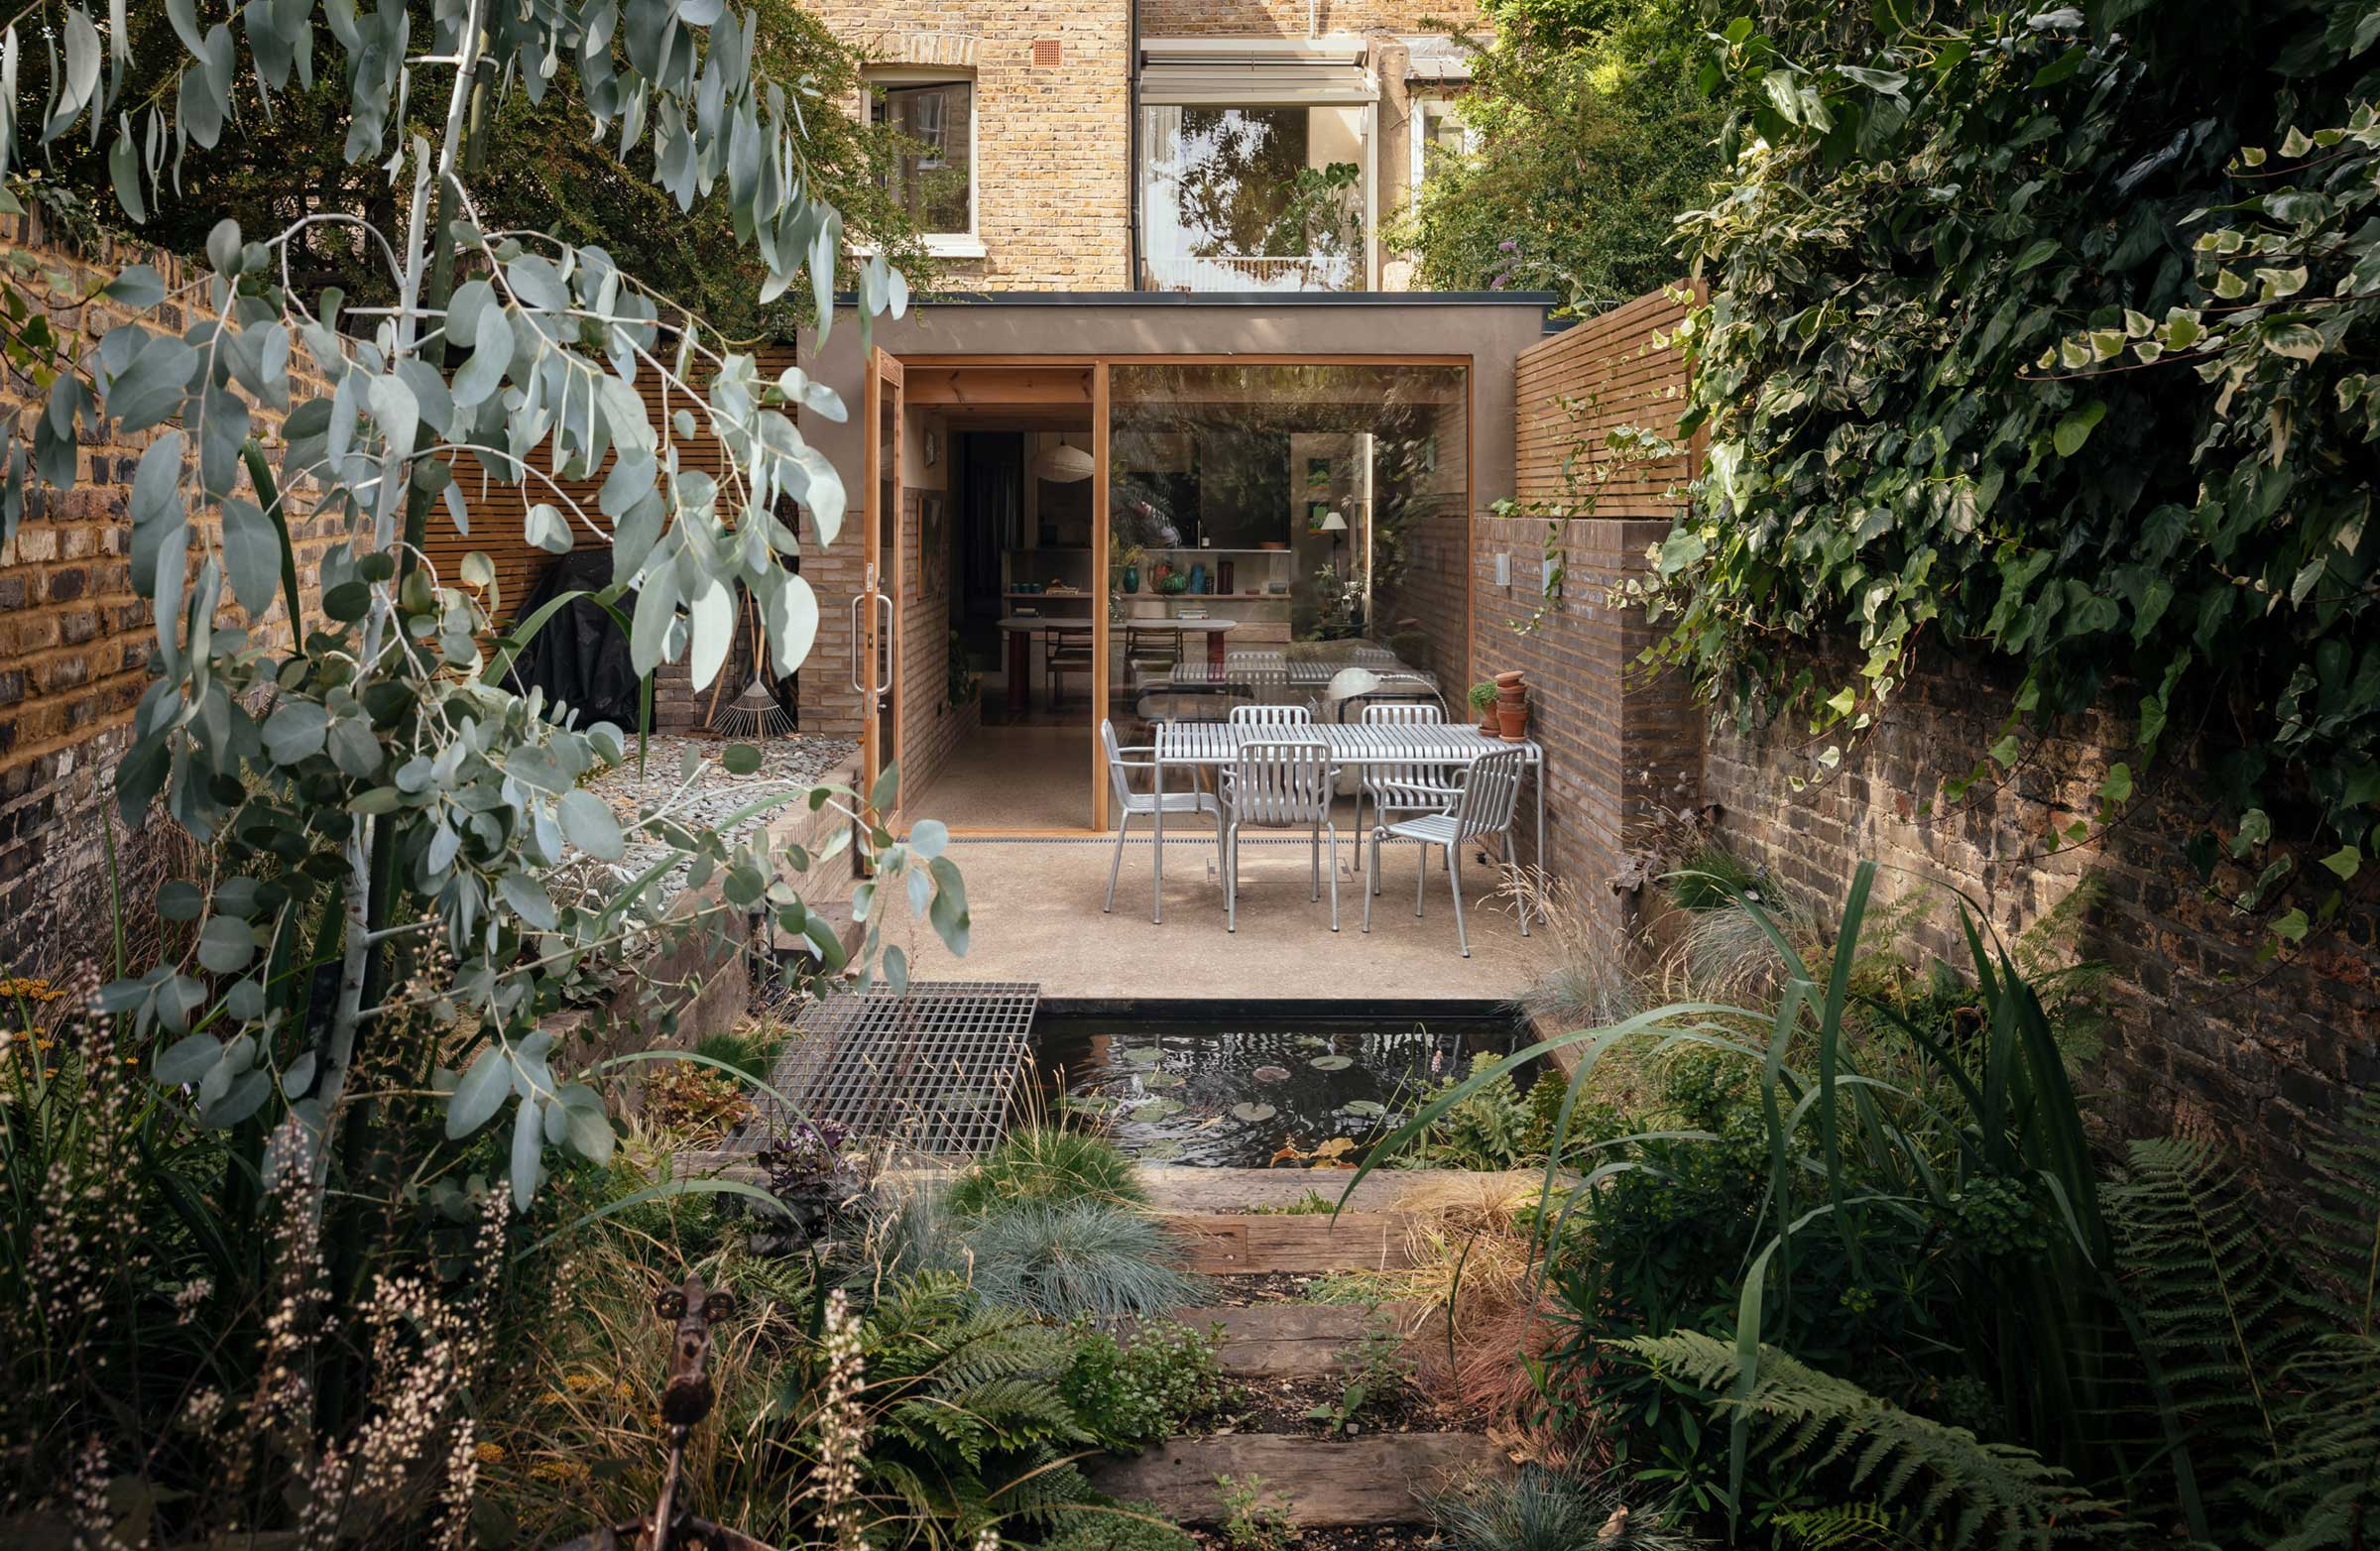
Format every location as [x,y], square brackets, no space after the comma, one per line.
[1052,144]
[1289,17]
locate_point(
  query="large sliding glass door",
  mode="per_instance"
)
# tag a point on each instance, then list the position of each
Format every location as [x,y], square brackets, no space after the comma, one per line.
[1293,532]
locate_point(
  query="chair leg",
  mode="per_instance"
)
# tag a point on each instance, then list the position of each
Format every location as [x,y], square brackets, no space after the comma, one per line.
[1375,868]
[1520,884]
[1454,877]
[1314,860]
[1331,838]
[1359,863]
[1231,883]
[1116,866]
[1421,875]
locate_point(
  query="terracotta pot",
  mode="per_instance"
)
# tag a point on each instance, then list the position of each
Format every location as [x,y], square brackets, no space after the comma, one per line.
[1509,680]
[1513,714]
[1489,722]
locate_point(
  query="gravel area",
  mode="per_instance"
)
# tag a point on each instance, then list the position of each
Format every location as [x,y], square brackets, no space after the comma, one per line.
[786,764]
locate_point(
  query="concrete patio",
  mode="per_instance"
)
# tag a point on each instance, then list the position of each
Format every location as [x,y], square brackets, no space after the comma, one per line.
[1037,913]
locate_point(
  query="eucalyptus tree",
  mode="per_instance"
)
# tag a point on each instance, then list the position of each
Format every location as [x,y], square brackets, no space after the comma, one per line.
[415,811]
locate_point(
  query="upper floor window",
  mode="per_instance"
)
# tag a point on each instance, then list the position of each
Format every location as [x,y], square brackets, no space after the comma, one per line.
[932,176]
[1440,137]
[1257,161]
[1255,198]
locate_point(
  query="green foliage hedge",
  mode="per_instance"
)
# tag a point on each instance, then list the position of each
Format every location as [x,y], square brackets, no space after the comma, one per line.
[2045,339]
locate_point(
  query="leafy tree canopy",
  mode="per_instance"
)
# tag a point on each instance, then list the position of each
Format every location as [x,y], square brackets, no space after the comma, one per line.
[2046,339]
[543,166]
[1590,136]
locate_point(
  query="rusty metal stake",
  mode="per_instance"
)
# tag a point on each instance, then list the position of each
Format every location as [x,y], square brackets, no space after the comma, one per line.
[685,1400]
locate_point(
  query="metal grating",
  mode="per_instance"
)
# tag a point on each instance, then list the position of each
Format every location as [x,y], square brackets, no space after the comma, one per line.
[932,1069]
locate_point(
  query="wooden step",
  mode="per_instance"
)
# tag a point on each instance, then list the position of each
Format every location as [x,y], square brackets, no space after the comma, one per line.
[1304,1340]
[1385,1478]
[1177,1187]
[1225,1243]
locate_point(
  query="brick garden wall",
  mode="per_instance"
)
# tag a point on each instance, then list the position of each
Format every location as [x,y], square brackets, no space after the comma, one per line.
[1617,743]
[74,642]
[2204,1039]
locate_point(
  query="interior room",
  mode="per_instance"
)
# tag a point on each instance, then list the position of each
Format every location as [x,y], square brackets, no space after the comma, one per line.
[1274,531]
[1005,495]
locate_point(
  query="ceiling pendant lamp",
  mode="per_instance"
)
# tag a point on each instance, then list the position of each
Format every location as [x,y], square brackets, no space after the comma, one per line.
[1063,464]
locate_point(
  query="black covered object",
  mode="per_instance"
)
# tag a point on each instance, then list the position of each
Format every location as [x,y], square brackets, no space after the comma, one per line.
[579,657]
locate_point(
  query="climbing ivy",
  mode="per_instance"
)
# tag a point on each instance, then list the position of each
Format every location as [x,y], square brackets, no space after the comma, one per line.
[2016,350]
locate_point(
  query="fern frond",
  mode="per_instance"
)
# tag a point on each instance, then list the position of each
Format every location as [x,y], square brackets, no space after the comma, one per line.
[2345,1208]
[2327,1486]
[2216,1306]
[1845,1526]
[1968,1491]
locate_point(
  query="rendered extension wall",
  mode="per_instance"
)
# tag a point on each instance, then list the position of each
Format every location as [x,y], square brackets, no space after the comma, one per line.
[2206,1039]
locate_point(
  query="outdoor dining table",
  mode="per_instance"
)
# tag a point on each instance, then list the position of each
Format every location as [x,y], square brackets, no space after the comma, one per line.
[1021,628]
[1352,745]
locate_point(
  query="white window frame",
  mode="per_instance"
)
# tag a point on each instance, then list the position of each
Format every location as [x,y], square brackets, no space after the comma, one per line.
[1449,103]
[968,244]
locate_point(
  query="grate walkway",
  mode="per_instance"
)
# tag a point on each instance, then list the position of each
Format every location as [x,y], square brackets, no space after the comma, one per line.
[933,1069]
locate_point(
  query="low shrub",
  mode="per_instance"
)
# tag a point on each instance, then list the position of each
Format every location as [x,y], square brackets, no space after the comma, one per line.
[1043,1162]
[1084,1257]
[1130,1393]
[1541,1509]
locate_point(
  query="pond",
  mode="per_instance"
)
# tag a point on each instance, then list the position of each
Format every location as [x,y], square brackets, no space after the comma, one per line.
[1252,1091]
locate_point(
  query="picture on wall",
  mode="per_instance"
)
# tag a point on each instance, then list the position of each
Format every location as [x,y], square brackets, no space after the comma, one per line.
[933,544]
[1316,513]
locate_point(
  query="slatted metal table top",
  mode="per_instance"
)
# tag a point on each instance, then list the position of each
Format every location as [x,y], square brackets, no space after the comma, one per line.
[1305,675]
[933,1069]
[1356,743]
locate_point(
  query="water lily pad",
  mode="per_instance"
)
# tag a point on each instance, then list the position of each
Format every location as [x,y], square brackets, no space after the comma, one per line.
[1271,1074]
[1365,1106]
[1313,1042]
[1155,1110]
[1254,1113]
[1163,1080]
[1140,1056]
[1162,1149]
[1332,1063]
[1091,1104]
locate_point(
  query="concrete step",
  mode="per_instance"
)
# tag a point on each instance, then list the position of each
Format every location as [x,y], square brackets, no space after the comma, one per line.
[1385,1479]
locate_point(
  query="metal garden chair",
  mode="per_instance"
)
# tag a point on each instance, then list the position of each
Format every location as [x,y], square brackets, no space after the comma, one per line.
[1272,716]
[1403,789]
[1130,803]
[1279,783]
[1490,794]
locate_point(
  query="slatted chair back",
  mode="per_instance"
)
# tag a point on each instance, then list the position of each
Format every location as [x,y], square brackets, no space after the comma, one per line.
[1116,772]
[1394,779]
[1272,715]
[1491,794]
[1282,783]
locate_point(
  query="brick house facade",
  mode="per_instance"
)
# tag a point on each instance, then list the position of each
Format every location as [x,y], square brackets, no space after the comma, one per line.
[1053,92]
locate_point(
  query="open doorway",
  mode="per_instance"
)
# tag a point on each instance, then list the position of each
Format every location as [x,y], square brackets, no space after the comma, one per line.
[1004,588]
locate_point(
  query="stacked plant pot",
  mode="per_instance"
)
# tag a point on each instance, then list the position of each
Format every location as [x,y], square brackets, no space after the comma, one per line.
[1511,706]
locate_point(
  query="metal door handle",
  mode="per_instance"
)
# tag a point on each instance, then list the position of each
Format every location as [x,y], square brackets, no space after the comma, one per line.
[884,600]
[857,599]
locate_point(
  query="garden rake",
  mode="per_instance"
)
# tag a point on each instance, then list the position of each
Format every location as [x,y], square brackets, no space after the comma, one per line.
[754,713]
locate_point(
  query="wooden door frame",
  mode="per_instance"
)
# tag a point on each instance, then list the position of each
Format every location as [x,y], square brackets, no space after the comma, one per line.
[882,575]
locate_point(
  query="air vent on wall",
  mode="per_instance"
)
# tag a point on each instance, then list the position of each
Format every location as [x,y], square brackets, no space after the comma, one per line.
[1048,54]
